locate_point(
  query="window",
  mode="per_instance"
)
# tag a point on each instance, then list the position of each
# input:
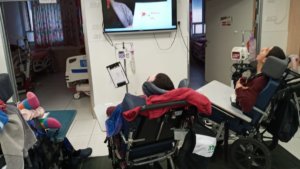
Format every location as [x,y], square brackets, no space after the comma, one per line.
[29,13]
[42,23]
[198,24]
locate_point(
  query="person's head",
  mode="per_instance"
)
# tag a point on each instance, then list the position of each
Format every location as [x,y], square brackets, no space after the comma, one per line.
[162,81]
[266,52]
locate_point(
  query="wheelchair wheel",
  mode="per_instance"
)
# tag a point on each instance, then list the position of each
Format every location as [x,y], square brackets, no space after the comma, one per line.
[270,141]
[250,154]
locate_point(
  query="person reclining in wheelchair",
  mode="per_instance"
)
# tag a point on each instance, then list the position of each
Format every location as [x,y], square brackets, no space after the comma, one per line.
[256,91]
[248,89]
[254,99]
[140,130]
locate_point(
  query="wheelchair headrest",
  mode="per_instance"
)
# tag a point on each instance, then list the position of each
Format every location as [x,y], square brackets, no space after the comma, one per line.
[184,83]
[275,67]
[151,89]
[6,90]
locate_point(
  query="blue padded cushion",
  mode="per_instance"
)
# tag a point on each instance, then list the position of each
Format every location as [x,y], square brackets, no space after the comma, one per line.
[65,117]
[266,94]
[184,83]
[263,100]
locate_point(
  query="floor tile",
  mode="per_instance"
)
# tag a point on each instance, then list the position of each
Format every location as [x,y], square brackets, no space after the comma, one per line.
[80,142]
[82,128]
[297,135]
[98,145]
[97,130]
[293,146]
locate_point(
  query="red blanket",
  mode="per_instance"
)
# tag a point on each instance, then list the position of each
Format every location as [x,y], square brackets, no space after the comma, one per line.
[191,96]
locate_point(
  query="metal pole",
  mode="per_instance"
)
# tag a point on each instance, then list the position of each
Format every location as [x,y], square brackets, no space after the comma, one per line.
[259,24]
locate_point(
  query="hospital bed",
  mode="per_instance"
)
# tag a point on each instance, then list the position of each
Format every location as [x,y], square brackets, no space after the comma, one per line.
[77,75]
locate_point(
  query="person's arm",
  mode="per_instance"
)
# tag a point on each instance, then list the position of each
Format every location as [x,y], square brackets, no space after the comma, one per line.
[240,84]
[124,13]
[247,95]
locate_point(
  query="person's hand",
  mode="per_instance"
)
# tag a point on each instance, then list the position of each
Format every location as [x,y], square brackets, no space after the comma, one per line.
[240,85]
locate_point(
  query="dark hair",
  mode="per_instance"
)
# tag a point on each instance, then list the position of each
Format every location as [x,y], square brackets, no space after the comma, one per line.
[277,52]
[163,81]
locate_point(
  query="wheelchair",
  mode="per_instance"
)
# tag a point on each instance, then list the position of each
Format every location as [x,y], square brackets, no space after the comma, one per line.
[146,141]
[41,148]
[252,145]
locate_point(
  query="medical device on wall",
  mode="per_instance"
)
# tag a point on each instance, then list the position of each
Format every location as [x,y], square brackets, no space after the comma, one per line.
[242,66]
[124,52]
[239,53]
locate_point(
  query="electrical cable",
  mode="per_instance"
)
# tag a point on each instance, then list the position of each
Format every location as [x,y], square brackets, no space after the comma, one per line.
[183,38]
[188,52]
[107,37]
[167,47]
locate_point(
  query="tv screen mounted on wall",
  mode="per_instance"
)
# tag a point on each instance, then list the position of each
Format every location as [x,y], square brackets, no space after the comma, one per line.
[121,16]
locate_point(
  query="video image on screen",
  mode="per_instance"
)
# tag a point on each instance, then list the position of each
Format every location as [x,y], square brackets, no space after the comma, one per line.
[138,15]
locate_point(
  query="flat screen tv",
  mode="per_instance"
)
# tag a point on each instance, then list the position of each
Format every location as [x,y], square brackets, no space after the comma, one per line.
[121,16]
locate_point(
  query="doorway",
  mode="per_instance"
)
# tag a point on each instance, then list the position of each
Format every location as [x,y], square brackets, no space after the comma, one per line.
[197,43]
[40,38]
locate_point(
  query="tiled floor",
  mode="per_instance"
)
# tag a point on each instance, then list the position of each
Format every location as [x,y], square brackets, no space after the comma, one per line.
[85,130]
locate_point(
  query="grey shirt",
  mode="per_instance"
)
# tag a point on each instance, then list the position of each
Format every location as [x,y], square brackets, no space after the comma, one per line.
[16,138]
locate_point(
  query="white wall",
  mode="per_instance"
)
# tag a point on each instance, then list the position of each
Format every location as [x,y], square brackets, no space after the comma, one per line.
[149,59]
[3,67]
[221,39]
[275,18]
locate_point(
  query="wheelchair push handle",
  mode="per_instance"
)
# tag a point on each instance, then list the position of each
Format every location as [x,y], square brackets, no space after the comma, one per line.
[162,105]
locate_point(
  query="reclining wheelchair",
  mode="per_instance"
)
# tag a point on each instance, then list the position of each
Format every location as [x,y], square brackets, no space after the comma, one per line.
[145,140]
[252,148]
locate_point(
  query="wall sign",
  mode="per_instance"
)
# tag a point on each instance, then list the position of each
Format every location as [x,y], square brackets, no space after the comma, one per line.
[226,20]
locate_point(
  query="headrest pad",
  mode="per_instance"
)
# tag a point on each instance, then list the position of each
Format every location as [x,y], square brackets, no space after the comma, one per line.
[275,67]
[6,91]
[184,83]
[151,89]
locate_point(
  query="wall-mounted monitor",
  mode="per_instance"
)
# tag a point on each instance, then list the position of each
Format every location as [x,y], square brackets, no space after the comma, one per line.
[121,16]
